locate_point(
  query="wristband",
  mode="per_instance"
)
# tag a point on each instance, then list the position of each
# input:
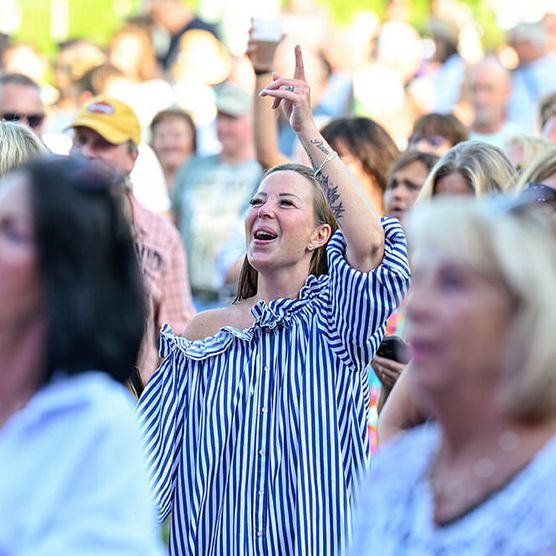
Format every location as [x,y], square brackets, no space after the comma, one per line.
[329,157]
[262,71]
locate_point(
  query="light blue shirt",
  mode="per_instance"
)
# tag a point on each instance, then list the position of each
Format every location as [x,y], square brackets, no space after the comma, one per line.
[529,84]
[72,474]
[500,138]
[208,200]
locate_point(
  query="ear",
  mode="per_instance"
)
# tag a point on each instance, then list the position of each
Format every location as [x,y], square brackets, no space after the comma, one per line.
[320,236]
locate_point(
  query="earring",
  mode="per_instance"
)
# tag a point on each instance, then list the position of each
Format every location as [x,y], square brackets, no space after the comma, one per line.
[310,247]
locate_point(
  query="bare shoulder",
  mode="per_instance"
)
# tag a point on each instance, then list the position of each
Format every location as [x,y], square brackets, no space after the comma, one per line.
[208,323]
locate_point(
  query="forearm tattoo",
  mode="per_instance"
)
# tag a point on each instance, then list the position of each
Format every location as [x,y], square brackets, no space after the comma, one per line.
[330,191]
[321,147]
[332,196]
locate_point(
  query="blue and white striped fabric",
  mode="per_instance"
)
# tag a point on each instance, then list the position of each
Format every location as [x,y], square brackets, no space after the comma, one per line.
[256,438]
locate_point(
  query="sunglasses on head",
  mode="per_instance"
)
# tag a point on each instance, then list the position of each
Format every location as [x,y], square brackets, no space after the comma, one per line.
[541,193]
[432,140]
[34,120]
[534,195]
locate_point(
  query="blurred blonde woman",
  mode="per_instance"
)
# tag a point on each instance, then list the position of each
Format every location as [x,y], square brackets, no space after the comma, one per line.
[18,144]
[479,479]
[470,168]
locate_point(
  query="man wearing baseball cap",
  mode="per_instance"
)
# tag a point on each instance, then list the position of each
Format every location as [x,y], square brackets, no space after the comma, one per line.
[210,190]
[108,130]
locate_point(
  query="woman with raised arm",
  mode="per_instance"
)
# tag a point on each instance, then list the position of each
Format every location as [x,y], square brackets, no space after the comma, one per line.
[255,424]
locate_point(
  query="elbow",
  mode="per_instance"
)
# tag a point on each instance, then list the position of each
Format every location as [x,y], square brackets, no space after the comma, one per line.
[377,251]
[367,257]
[374,253]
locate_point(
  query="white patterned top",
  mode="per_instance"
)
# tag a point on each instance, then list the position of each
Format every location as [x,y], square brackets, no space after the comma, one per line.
[395,516]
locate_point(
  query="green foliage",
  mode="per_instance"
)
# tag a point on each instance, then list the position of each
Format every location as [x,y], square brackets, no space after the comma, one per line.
[97,19]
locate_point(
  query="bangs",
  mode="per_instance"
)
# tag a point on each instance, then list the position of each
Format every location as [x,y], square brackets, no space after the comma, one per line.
[456,229]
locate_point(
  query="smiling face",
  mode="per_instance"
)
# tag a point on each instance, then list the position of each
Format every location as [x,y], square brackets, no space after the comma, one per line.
[172,140]
[458,321]
[20,291]
[280,225]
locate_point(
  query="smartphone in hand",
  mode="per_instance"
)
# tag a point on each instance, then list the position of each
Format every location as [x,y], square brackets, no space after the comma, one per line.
[393,347]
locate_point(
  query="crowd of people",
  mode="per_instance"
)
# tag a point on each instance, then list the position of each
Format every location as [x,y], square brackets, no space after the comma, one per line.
[294,301]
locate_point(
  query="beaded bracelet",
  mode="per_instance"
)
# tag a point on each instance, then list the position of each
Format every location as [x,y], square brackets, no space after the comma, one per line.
[329,157]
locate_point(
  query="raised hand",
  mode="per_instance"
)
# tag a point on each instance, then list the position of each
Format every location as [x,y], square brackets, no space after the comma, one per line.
[293,96]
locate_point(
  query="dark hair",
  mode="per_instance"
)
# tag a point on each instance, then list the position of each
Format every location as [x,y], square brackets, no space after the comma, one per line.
[18,79]
[94,80]
[180,114]
[367,141]
[247,282]
[88,266]
[408,157]
[445,125]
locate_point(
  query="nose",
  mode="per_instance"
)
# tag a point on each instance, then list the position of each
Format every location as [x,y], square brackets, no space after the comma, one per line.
[398,193]
[419,303]
[265,210]
[84,149]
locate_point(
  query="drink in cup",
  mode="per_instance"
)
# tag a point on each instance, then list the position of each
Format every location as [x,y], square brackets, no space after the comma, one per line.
[267,33]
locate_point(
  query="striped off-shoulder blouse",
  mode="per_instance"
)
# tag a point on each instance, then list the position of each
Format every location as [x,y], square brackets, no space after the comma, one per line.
[256,438]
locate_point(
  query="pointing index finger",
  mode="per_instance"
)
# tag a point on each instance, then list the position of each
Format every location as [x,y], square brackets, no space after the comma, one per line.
[299,72]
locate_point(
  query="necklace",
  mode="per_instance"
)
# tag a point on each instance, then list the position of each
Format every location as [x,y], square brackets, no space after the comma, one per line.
[481,472]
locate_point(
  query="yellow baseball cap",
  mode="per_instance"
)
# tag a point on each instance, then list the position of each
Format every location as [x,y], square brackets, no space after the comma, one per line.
[113,119]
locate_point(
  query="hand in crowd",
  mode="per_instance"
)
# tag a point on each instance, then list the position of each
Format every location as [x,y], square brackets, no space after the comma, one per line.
[387,370]
[293,96]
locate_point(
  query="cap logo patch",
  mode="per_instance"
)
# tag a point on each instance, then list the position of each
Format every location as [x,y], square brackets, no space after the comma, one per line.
[100,108]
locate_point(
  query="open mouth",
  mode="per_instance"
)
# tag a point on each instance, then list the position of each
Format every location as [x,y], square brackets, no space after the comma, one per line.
[264,235]
[397,211]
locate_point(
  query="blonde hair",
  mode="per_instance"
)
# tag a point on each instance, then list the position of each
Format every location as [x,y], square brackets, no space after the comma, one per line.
[18,144]
[531,147]
[484,167]
[515,247]
[541,168]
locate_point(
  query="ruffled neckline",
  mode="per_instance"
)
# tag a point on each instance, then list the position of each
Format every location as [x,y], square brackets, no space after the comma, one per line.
[278,312]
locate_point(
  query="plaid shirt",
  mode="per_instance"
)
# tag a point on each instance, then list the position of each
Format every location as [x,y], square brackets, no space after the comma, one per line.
[163,263]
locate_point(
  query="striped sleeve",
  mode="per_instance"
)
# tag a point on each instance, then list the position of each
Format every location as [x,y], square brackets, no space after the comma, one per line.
[360,302]
[161,411]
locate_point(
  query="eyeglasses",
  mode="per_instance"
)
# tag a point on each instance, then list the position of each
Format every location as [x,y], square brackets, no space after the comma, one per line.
[433,140]
[34,120]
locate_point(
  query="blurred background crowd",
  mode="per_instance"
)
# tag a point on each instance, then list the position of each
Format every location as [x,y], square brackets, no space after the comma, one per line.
[420,99]
[393,88]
